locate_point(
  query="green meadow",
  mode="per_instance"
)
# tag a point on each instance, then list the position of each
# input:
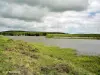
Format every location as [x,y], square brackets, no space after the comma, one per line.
[23,58]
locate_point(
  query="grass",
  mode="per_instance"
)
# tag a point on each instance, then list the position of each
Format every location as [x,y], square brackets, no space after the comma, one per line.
[22,58]
[74,36]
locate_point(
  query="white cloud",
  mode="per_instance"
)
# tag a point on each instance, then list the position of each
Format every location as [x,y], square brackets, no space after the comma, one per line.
[94,5]
[26,15]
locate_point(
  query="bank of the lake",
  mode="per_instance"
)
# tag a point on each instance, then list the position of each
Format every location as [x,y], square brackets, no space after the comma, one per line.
[83,46]
[25,58]
[74,36]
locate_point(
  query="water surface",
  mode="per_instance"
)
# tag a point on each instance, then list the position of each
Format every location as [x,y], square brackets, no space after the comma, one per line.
[83,46]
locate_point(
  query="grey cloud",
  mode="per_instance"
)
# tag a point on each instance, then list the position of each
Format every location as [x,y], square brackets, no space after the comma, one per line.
[59,5]
[14,24]
[35,10]
[22,12]
[55,5]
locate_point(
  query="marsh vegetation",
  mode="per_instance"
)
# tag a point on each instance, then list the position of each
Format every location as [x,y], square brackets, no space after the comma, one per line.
[74,36]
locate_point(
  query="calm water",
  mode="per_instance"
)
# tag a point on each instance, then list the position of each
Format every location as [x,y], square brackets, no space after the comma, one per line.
[82,46]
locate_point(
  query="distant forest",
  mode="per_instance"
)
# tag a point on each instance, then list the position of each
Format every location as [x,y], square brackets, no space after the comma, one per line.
[27,33]
[48,34]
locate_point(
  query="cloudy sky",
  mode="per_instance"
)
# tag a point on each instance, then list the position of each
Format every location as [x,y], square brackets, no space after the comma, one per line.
[70,16]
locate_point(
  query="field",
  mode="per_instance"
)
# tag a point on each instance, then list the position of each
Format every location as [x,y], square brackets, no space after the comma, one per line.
[23,58]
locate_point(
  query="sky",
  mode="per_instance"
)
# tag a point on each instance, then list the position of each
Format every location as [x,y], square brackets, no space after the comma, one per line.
[69,16]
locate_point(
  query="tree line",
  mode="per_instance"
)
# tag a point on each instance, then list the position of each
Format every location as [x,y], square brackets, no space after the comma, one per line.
[27,33]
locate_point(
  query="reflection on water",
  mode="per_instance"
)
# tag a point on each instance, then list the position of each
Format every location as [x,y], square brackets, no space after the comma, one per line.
[81,45]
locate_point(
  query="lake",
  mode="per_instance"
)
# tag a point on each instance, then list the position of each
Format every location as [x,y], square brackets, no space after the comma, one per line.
[83,46]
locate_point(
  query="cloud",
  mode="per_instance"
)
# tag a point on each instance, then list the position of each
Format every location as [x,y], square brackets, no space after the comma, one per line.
[30,10]
[73,22]
[94,5]
[70,16]
[22,12]
[55,5]
[16,24]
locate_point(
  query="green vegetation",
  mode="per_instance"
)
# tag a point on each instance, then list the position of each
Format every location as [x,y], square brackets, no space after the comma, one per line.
[27,33]
[77,36]
[22,58]
[51,34]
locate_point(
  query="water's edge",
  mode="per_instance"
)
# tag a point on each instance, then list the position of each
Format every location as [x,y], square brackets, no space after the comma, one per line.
[82,46]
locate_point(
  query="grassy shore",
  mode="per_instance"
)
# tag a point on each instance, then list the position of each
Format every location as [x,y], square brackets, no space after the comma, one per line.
[74,36]
[22,58]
